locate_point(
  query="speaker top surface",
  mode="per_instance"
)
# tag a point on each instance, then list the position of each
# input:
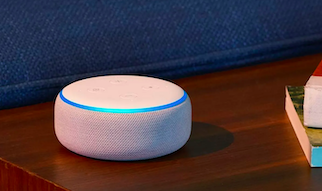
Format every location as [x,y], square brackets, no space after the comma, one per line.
[123,94]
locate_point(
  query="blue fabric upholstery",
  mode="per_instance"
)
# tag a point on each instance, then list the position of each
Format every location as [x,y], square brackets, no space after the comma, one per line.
[48,44]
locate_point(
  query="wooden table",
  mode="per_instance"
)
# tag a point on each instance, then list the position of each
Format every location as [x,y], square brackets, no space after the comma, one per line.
[241,140]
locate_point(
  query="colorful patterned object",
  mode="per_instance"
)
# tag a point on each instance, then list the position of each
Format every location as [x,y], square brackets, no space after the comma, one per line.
[309,138]
[297,96]
[313,99]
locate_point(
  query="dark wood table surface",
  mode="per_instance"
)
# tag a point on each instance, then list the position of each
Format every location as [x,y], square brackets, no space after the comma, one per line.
[241,140]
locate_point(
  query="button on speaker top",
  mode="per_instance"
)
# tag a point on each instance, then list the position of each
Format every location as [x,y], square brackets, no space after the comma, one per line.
[150,87]
[96,90]
[118,81]
[129,96]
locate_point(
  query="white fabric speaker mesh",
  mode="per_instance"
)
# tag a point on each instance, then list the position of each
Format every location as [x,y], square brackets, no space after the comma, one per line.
[122,136]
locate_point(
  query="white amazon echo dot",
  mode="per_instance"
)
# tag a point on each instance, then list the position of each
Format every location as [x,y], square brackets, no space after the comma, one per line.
[122,117]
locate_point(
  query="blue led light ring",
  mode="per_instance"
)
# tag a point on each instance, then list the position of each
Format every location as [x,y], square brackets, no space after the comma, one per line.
[138,110]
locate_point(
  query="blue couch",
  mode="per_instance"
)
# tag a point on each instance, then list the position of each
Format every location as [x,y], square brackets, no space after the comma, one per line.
[47,44]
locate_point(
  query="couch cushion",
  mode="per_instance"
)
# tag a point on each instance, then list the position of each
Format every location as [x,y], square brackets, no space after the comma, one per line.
[48,44]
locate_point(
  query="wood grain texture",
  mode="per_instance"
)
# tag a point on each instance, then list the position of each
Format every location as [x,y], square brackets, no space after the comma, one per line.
[241,140]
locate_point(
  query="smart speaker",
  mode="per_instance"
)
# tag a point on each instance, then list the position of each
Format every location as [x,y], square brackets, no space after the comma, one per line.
[122,117]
